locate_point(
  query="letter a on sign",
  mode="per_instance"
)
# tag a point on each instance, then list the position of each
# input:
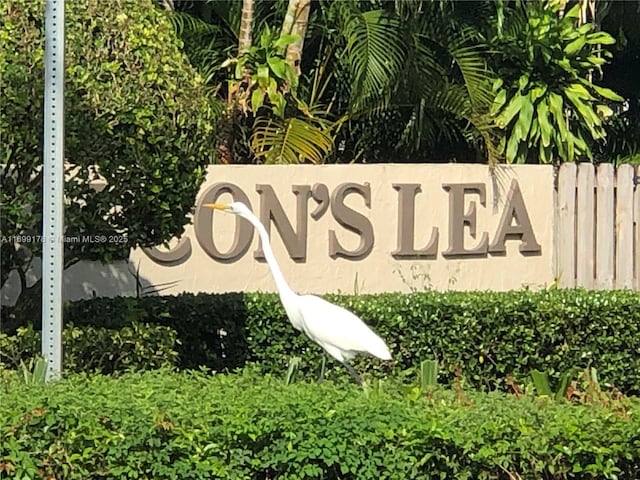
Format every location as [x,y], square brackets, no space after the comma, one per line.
[522,229]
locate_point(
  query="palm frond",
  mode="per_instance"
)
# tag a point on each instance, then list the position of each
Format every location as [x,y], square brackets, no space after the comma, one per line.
[185,23]
[420,129]
[228,13]
[470,60]
[376,54]
[448,72]
[290,140]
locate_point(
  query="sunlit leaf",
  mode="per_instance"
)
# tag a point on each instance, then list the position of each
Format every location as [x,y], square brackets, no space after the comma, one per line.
[262,75]
[292,140]
[510,111]
[607,93]
[524,119]
[556,108]
[575,46]
[257,99]
[285,40]
[512,146]
[601,38]
[546,130]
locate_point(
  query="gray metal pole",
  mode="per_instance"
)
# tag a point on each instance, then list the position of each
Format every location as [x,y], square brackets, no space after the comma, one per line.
[53,188]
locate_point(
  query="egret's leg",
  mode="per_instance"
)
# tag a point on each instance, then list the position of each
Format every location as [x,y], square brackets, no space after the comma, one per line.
[352,371]
[321,377]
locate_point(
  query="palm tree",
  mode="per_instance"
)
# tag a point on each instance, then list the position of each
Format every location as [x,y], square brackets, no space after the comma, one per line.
[295,23]
[407,72]
[417,80]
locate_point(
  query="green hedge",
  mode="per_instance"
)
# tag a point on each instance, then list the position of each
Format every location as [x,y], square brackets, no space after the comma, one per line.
[163,425]
[486,336]
[97,350]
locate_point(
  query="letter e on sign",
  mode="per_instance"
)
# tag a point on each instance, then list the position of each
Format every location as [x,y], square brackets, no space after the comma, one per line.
[458,218]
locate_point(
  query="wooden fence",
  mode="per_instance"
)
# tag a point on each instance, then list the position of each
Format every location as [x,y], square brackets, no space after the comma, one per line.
[598,226]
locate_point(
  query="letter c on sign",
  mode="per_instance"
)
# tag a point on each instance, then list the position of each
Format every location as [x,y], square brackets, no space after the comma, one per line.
[175,256]
[243,232]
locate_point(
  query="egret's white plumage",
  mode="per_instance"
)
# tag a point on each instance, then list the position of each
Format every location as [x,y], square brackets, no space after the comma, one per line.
[338,331]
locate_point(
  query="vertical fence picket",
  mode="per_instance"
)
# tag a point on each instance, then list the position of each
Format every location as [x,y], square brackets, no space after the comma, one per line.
[605,231]
[585,234]
[566,253]
[624,227]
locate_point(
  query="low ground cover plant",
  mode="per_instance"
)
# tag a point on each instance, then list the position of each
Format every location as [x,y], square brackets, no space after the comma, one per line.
[162,424]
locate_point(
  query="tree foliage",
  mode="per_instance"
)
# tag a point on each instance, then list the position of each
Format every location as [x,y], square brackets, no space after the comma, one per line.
[410,80]
[546,104]
[138,118]
[394,73]
[417,77]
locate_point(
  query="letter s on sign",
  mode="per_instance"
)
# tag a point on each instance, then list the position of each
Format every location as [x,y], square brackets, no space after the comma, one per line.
[351,220]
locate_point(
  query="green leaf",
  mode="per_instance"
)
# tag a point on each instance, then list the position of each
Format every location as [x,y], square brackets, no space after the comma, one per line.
[607,93]
[262,74]
[499,101]
[537,92]
[595,61]
[294,365]
[428,374]
[541,382]
[375,52]
[556,108]
[545,153]
[589,117]
[279,105]
[272,89]
[257,99]
[579,91]
[546,129]
[534,132]
[524,119]
[571,151]
[512,147]
[290,140]
[265,37]
[510,111]
[564,384]
[239,70]
[600,38]
[575,46]
[572,14]
[523,81]
[279,67]
[285,40]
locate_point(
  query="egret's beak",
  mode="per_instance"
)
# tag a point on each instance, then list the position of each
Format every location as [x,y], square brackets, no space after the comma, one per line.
[216,206]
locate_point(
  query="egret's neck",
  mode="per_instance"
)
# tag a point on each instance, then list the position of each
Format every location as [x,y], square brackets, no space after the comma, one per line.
[283,288]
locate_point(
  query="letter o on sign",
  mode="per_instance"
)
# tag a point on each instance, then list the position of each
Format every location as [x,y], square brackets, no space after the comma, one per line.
[204,224]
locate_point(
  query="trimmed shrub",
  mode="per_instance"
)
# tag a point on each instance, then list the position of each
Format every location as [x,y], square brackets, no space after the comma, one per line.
[211,328]
[485,336]
[163,425]
[94,349]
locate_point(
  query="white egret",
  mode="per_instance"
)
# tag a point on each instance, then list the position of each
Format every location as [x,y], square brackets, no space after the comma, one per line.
[338,331]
